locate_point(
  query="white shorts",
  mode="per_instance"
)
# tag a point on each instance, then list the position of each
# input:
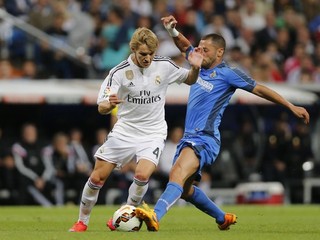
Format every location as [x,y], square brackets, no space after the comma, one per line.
[120,151]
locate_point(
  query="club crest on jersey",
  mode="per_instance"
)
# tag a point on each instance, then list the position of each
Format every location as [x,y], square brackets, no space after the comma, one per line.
[129,75]
[213,74]
[157,80]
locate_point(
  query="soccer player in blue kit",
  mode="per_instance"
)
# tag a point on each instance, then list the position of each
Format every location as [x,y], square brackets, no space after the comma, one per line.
[200,145]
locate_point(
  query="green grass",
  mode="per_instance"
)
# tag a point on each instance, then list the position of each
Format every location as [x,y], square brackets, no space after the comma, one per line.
[254,222]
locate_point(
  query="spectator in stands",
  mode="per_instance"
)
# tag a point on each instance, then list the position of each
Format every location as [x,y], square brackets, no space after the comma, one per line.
[70,28]
[115,36]
[246,149]
[78,24]
[204,14]
[83,165]
[96,8]
[18,8]
[41,15]
[29,70]
[35,171]
[303,73]
[314,28]
[246,41]
[130,18]
[316,54]
[189,29]
[80,150]
[234,21]
[311,9]
[276,147]
[63,160]
[293,62]
[251,19]
[9,175]
[267,34]
[179,10]
[284,43]
[276,56]
[18,40]
[10,181]
[246,64]
[159,9]
[267,69]
[299,151]
[218,25]
[316,74]
[7,71]
[55,62]
[303,37]
[141,7]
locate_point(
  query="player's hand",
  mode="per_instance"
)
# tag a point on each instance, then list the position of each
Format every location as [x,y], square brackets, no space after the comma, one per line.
[195,57]
[110,103]
[302,113]
[169,22]
[114,100]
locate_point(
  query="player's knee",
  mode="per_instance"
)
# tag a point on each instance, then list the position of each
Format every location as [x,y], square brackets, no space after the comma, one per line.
[141,178]
[97,178]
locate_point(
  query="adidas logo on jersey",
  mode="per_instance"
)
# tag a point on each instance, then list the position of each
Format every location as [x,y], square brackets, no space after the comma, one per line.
[131,84]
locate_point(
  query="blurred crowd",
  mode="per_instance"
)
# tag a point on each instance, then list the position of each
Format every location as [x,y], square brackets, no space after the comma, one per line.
[37,170]
[273,41]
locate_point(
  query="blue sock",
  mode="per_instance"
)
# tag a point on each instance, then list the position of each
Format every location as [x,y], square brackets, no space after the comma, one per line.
[201,201]
[170,195]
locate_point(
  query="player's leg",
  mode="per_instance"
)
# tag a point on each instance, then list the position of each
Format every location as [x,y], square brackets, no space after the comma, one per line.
[90,193]
[140,184]
[148,154]
[200,200]
[185,166]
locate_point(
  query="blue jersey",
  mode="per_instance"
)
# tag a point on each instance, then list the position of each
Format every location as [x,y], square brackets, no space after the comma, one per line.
[209,97]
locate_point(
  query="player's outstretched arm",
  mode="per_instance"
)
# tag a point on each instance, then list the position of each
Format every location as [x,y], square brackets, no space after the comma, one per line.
[269,94]
[181,41]
[195,59]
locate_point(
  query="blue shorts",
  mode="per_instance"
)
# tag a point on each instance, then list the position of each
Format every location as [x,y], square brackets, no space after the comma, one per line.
[205,147]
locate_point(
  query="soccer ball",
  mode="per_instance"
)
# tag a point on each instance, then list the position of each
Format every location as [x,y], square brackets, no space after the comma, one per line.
[125,220]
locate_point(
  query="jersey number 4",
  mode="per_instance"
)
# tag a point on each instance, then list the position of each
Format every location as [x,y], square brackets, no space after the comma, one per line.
[156,152]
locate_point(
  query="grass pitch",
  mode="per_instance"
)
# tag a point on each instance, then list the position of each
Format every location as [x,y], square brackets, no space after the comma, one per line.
[294,222]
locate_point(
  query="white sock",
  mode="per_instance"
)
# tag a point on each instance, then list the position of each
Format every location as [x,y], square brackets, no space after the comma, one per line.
[137,190]
[88,200]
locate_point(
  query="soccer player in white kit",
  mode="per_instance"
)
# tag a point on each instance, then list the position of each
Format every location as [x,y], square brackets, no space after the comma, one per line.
[138,86]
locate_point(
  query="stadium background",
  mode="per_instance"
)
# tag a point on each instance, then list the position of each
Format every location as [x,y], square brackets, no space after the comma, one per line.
[51,48]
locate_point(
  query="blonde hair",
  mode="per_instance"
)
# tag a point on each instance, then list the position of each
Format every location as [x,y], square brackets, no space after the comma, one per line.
[143,36]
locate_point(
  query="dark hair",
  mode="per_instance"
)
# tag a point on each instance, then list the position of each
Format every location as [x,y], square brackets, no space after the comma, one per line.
[215,39]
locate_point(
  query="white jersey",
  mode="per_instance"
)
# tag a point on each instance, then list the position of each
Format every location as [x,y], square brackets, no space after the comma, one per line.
[143,91]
